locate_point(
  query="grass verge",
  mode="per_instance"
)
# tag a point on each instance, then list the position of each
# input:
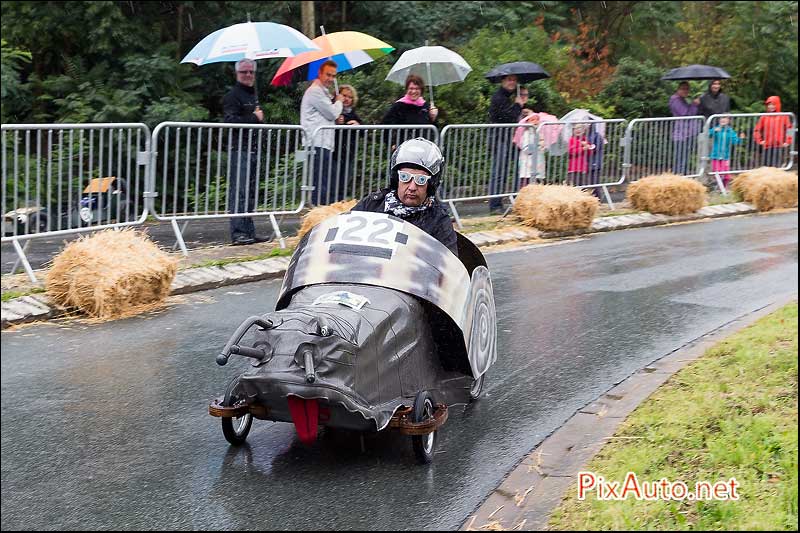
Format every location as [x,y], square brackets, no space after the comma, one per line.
[731,414]
[275,252]
[11,294]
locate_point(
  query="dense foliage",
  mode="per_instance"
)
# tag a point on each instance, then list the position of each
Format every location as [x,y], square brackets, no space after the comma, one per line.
[105,61]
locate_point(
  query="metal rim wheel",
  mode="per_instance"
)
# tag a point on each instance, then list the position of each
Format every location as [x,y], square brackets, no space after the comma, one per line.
[235,429]
[477,387]
[424,445]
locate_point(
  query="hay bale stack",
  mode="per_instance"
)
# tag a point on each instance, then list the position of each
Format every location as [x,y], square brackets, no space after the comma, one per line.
[318,214]
[111,274]
[555,207]
[667,194]
[767,188]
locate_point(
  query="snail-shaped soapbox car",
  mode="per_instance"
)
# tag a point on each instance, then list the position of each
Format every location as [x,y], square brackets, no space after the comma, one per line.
[377,326]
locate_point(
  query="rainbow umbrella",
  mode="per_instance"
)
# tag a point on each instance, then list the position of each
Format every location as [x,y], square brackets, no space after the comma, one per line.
[350,49]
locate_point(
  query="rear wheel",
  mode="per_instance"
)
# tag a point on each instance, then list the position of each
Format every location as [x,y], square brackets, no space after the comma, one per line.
[235,429]
[424,445]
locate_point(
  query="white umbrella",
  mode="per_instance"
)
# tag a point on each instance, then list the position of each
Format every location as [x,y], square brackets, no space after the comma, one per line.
[435,64]
[250,40]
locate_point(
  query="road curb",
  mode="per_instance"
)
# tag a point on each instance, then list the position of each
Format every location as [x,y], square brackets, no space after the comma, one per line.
[535,487]
[19,311]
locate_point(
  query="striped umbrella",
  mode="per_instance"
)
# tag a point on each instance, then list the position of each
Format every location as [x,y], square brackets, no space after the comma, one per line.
[350,49]
[251,40]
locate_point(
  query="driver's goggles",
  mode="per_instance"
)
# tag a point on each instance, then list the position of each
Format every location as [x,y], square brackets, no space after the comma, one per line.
[419,179]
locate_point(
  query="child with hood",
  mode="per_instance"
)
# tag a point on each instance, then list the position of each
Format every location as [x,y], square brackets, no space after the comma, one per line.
[771,133]
[524,139]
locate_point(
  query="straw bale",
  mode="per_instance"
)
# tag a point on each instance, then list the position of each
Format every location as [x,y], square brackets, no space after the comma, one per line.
[555,207]
[111,274]
[318,214]
[767,188]
[667,194]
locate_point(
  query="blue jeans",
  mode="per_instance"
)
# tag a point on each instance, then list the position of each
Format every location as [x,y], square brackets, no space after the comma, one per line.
[328,184]
[242,193]
[681,156]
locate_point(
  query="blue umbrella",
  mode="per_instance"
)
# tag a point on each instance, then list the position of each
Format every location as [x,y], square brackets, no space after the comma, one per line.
[250,40]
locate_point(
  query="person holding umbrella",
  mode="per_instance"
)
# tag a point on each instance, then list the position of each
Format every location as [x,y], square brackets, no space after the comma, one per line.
[682,130]
[715,102]
[412,107]
[240,106]
[502,111]
[317,109]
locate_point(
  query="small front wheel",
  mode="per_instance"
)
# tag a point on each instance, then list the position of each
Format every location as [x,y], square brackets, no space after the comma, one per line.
[235,429]
[477,387]
[424,445]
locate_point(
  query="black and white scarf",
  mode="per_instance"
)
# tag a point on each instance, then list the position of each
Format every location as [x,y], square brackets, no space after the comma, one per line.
[394,206]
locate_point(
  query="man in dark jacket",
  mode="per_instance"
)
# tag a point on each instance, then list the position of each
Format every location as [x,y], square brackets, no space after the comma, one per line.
[715,102]
[416,167]
[502,111]
[240,106]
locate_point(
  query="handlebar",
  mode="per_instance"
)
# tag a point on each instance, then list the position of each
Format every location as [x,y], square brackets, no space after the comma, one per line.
[232,346]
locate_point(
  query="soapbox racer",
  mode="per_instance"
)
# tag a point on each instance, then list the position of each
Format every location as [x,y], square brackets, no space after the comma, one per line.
[377,326]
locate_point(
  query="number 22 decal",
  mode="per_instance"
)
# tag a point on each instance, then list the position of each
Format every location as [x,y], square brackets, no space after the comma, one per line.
[358,230]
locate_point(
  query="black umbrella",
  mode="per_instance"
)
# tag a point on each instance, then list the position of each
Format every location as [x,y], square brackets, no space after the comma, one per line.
[696,72]
[525,72]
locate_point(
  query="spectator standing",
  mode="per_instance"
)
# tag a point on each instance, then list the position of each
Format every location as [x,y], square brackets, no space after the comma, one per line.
[240,106]
[502,110]
[682,130]
[317,109]
[723,137]
[580,150]
[714,101]
[347,144]
[530,167]
[412,107]
[772,133]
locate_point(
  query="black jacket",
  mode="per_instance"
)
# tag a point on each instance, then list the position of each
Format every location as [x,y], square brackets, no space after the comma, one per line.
[714,105]
[501,109]
[434,221]
[238,106]
[403,113]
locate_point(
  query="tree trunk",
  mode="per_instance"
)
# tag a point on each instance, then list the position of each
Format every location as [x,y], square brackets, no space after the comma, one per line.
[180,31]
[307,14]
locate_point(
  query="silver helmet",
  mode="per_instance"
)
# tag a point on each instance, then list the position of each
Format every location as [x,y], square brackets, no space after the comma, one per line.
[419,153]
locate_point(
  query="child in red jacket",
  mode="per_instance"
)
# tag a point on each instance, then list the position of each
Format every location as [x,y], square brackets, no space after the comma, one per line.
[771,133]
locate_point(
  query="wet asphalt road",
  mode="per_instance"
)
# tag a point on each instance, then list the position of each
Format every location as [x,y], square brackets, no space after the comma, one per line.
[105,426]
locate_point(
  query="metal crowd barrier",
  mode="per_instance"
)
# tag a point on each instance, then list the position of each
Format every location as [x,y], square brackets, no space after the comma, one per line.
[210,170]
[667,144]
[62,179]
[735,143]
[70,178]
[585,154]
[347,162]
[481,161]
